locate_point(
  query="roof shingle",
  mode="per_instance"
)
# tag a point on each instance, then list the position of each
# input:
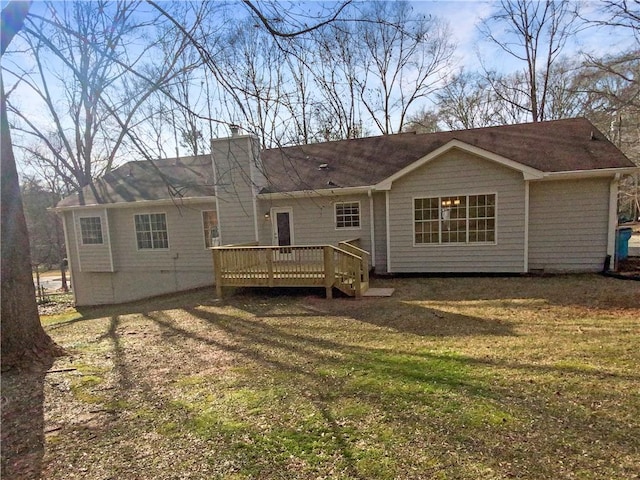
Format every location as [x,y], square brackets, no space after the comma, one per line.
[553,146]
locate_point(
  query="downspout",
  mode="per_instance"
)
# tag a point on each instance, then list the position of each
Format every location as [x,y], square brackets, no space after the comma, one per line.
[526,227]
[613,217]
[388,231]
[372,229]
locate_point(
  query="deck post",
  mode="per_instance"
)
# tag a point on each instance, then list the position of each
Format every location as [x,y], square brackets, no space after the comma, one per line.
[358,279]
[217,269]
[269,253]
[329,270]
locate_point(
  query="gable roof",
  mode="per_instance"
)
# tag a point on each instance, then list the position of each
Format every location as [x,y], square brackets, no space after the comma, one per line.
[172,178]
[554,146]
[571,145]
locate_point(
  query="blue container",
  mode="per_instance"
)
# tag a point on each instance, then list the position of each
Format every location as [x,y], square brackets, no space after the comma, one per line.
[622,242]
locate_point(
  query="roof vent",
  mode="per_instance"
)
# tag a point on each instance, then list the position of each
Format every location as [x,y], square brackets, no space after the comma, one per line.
[323,166]
[593,136]
[235,130]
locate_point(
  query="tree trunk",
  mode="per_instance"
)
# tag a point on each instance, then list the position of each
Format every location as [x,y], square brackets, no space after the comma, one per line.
[22,337]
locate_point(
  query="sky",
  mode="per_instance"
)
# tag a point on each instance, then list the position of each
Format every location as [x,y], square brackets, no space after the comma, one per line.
[463,17]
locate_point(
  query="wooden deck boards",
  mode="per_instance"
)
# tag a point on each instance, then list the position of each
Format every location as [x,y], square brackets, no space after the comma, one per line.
[298,266]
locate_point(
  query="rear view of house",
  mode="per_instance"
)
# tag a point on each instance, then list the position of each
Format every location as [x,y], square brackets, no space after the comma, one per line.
[511,199]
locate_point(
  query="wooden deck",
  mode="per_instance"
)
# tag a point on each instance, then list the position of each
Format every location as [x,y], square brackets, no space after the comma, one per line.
[345,267]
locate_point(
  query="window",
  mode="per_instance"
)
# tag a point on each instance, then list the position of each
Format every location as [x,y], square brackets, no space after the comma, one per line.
[348,215]
[151,231]
[91,230]
[210,223]
[455,219]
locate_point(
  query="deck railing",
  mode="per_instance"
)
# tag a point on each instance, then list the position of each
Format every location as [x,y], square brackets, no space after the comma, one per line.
[345,267]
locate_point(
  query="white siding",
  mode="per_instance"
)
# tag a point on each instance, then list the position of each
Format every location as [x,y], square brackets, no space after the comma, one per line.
[313,220]
[459,173]
[568,224]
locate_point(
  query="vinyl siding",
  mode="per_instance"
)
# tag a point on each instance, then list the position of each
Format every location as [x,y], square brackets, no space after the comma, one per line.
[92,258]
[96,288]
[235,189]
[459,173]
[139,274]
[314,220]
[568,224]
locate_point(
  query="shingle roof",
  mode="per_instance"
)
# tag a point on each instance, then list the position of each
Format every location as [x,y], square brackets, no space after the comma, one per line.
[554,146]
[145,180]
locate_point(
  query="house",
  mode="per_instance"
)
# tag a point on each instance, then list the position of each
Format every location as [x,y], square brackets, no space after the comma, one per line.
[537,197]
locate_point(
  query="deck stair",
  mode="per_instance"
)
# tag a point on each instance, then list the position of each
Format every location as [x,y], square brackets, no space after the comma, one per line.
[344,267]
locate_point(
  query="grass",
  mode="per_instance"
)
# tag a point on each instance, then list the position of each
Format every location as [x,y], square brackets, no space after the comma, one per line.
[451,378]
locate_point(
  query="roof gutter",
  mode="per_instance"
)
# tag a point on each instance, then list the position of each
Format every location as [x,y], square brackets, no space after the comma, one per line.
[325,192]
[598,172]
[136,204]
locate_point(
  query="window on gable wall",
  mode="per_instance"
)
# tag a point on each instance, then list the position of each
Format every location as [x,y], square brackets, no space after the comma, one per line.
[91,230]
[210,224]
[347,215]
[455,219]
[151,231]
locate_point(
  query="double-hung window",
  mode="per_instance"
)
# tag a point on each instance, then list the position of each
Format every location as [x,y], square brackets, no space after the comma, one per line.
[455,219]
[347,215]
[91,230]
[151,231]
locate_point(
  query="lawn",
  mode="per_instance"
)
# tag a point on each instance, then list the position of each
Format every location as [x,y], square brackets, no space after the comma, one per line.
[450,378]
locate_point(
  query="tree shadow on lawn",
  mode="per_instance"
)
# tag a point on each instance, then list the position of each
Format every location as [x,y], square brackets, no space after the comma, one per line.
[324,370]
[291,337]
[393,312]
[568,290]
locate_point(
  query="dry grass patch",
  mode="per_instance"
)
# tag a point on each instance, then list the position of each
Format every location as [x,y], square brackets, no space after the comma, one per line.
[452,378]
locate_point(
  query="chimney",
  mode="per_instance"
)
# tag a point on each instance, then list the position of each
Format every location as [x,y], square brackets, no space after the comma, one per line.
[235,130]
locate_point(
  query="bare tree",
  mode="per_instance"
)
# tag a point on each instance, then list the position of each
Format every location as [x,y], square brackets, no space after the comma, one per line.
[466,101]
[406,58]
[423,121]
[534,33]
[252,64]
[22,335]
[83,63]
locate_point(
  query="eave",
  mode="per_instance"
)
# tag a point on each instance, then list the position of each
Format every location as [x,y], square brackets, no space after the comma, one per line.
[137,204]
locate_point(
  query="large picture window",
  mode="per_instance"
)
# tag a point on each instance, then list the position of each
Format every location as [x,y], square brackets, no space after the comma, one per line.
[151,231]
[348,215]
[91,230]
[210,224]
[455,219]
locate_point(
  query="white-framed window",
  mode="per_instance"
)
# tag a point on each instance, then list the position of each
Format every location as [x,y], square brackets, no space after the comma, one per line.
[91,230]
[347,215]
[151,231]
[455,219]
[210,226]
